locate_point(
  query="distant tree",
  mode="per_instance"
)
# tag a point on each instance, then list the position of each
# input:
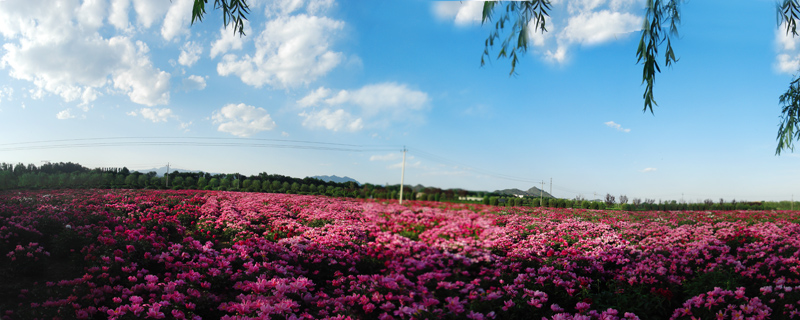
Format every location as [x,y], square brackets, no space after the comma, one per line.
[256,185]
[202,182]
[226,183]
[214,183]
[623,199]
[609,199]
[649,201]
[189,183]
[177,182]
[636,201]
[144,180]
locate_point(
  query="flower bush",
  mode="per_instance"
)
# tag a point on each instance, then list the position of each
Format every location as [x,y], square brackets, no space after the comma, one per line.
[124,254]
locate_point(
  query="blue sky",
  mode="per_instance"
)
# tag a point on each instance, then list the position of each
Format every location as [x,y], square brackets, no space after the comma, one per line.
[379,75]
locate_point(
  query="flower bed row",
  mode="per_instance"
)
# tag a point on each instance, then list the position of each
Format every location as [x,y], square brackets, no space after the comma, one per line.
[101,254]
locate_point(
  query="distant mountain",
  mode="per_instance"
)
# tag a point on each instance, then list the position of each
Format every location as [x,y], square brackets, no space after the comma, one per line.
[161,171]
[336,179]
[532,192]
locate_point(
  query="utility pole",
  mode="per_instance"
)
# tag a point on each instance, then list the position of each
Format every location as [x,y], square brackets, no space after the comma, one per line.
[402,174]
[551,187]
[167,175]
[541,195]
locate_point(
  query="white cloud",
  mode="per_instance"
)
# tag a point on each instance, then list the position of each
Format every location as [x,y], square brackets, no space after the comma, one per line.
[64,115]
[176,22]
[462,13]
[788,57]
[591,28]
[118,15]
[315,97]
[319,6]
[374,98]
[143,83]
[149,11]
[287,7]
[229,40]
[190,53]
[92,13]
[645,170]
[284,134]
[338,120]
[194,82]
[570,23]
[290,51]
[242,120]
[612,124]
[156,115]
[58,48]
[371,105]
[787,63]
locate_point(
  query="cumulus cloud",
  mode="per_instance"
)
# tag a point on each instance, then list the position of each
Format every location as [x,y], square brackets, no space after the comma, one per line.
[338,120]
[242,120]
[787,59]
[64,115]
[591,28]
[60,50]
[176,22]
[194,82]
[229,40]
[315,97]
[612,124]
[287,7]
[371,105]
[156,115]
[374,98]
[295,46]
[570,23]
[190,53]
[462,13]
[150,11]
[118,15]
[645,170]
[290,51]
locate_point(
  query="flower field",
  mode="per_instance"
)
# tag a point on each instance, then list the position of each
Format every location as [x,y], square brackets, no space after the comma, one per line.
[122,254]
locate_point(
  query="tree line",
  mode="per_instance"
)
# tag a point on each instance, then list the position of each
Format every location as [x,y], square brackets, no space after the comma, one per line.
[75,176]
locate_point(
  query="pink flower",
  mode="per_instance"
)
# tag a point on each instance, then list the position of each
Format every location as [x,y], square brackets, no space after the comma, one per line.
[155,312]
[178,314]
[508,304]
